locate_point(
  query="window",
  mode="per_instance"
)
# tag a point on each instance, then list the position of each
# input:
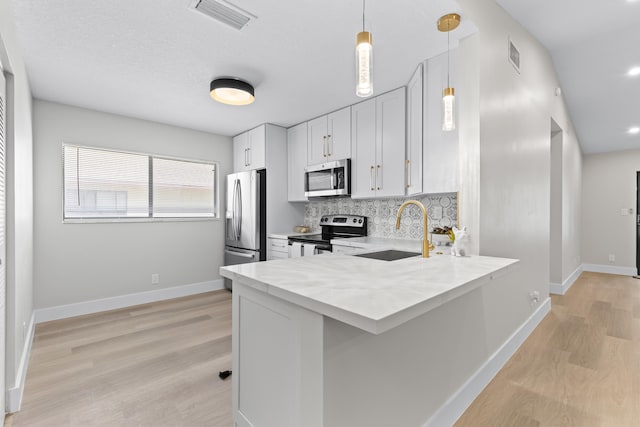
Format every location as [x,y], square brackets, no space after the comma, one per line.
[105,184]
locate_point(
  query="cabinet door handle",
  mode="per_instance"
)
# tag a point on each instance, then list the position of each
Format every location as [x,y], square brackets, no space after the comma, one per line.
[329,145]
[406,174]
[378,178]
[249,150]
[371,179]
[324,146]
[245,157]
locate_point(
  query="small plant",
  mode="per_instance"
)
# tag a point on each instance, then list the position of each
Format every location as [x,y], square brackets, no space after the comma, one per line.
[444,230]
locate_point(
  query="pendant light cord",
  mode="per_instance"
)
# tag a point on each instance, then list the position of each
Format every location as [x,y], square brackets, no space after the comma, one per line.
[363,4]
[448,52]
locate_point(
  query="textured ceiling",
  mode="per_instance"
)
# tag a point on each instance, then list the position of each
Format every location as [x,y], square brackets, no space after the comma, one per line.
[154,59]
[593,45]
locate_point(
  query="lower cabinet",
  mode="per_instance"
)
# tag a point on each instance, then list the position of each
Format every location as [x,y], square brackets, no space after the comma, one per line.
[277,248]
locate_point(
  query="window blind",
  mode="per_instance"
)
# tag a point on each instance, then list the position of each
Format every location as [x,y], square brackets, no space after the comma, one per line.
[118,185]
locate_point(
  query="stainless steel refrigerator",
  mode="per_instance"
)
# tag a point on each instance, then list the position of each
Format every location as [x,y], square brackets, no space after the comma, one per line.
[246,236]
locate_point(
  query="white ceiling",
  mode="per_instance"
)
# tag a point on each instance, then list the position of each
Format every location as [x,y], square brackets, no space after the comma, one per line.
[154,59]
[593,45]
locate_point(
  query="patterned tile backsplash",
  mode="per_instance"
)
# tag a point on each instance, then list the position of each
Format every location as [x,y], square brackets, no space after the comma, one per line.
[441,208]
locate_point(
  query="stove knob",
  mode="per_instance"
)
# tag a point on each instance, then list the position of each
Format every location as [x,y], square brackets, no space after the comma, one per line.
[355,220]
[360,220]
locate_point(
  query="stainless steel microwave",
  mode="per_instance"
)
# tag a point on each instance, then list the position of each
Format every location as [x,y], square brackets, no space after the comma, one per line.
[328,179]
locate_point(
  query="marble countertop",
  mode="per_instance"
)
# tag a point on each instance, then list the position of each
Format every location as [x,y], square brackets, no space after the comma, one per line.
[369,294]
[382,243]
[286,235]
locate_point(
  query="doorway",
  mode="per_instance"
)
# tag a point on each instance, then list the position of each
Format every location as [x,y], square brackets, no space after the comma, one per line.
[3,276]
[555,209]
[637,225]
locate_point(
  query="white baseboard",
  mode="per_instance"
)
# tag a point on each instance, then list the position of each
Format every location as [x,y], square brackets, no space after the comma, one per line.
[14,394]
[453,408]
[112,303]
[610,269]
[561,289]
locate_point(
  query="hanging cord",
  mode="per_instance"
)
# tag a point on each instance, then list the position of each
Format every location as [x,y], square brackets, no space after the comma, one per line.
[448,52]
[78,172]
[363,4]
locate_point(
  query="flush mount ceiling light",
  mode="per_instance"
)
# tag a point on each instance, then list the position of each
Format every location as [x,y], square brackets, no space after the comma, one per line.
[364,62]
[232,91]
[634,130]
[447,23]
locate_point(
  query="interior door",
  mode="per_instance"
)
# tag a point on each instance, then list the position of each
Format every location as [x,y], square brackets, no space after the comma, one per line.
[3,283]
[638,223]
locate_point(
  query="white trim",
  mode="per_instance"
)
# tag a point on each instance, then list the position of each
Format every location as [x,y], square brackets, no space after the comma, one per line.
[555,288]
[112,303]
[610,269]
[455,406]
[14,394]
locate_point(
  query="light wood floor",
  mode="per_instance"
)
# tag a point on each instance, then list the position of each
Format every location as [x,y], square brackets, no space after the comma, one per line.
[150,365]
[157,365]
[580,367]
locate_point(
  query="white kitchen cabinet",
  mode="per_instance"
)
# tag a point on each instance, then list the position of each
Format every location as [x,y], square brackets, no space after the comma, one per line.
[329,137]
[277,248]
[249,149]
[440,149]
[378,146]
[413,162]
[296,162]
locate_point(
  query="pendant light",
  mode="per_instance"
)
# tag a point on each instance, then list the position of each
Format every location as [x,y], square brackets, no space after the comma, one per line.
[364,62]
[445,24]
[231,91]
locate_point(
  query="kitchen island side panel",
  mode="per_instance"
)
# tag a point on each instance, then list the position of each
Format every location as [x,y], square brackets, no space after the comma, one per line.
[402,376]
[277,361]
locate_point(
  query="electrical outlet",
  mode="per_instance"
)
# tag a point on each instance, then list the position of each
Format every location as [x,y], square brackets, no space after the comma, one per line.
[155,278]
[612,258]
[534,297]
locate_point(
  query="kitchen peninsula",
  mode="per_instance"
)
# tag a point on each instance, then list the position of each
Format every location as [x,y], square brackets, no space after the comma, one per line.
[343,340]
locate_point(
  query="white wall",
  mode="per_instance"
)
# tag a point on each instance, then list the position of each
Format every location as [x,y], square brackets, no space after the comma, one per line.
[508,154]
[19,195]
[83,262]
[609,185]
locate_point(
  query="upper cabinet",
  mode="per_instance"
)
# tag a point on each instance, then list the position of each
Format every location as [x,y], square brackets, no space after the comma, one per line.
[249,150]
[296,162]
[329,137]
[440,156]
[413,162]
[378,146]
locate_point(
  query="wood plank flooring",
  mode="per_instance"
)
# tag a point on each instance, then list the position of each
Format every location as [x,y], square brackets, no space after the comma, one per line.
[157,365]
[151,365]
[580,367]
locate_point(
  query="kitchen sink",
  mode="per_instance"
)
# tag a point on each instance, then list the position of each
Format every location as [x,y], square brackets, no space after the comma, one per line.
[389,255]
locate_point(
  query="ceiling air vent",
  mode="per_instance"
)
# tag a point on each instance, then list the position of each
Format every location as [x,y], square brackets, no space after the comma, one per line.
[224,12]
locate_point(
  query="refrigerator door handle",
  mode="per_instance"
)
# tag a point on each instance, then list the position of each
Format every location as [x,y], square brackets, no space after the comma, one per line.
[239,232]
[240,254]
[234,203]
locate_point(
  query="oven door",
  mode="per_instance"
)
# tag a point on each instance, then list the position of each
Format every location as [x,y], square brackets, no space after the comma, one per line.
[300,248]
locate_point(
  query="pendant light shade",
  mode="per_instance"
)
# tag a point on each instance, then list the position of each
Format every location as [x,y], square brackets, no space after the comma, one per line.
[232,91]
[448,109]
[364,62]
[445,24]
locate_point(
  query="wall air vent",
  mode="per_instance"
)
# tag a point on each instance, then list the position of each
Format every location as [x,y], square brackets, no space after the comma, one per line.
[224,12]
[514,56]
